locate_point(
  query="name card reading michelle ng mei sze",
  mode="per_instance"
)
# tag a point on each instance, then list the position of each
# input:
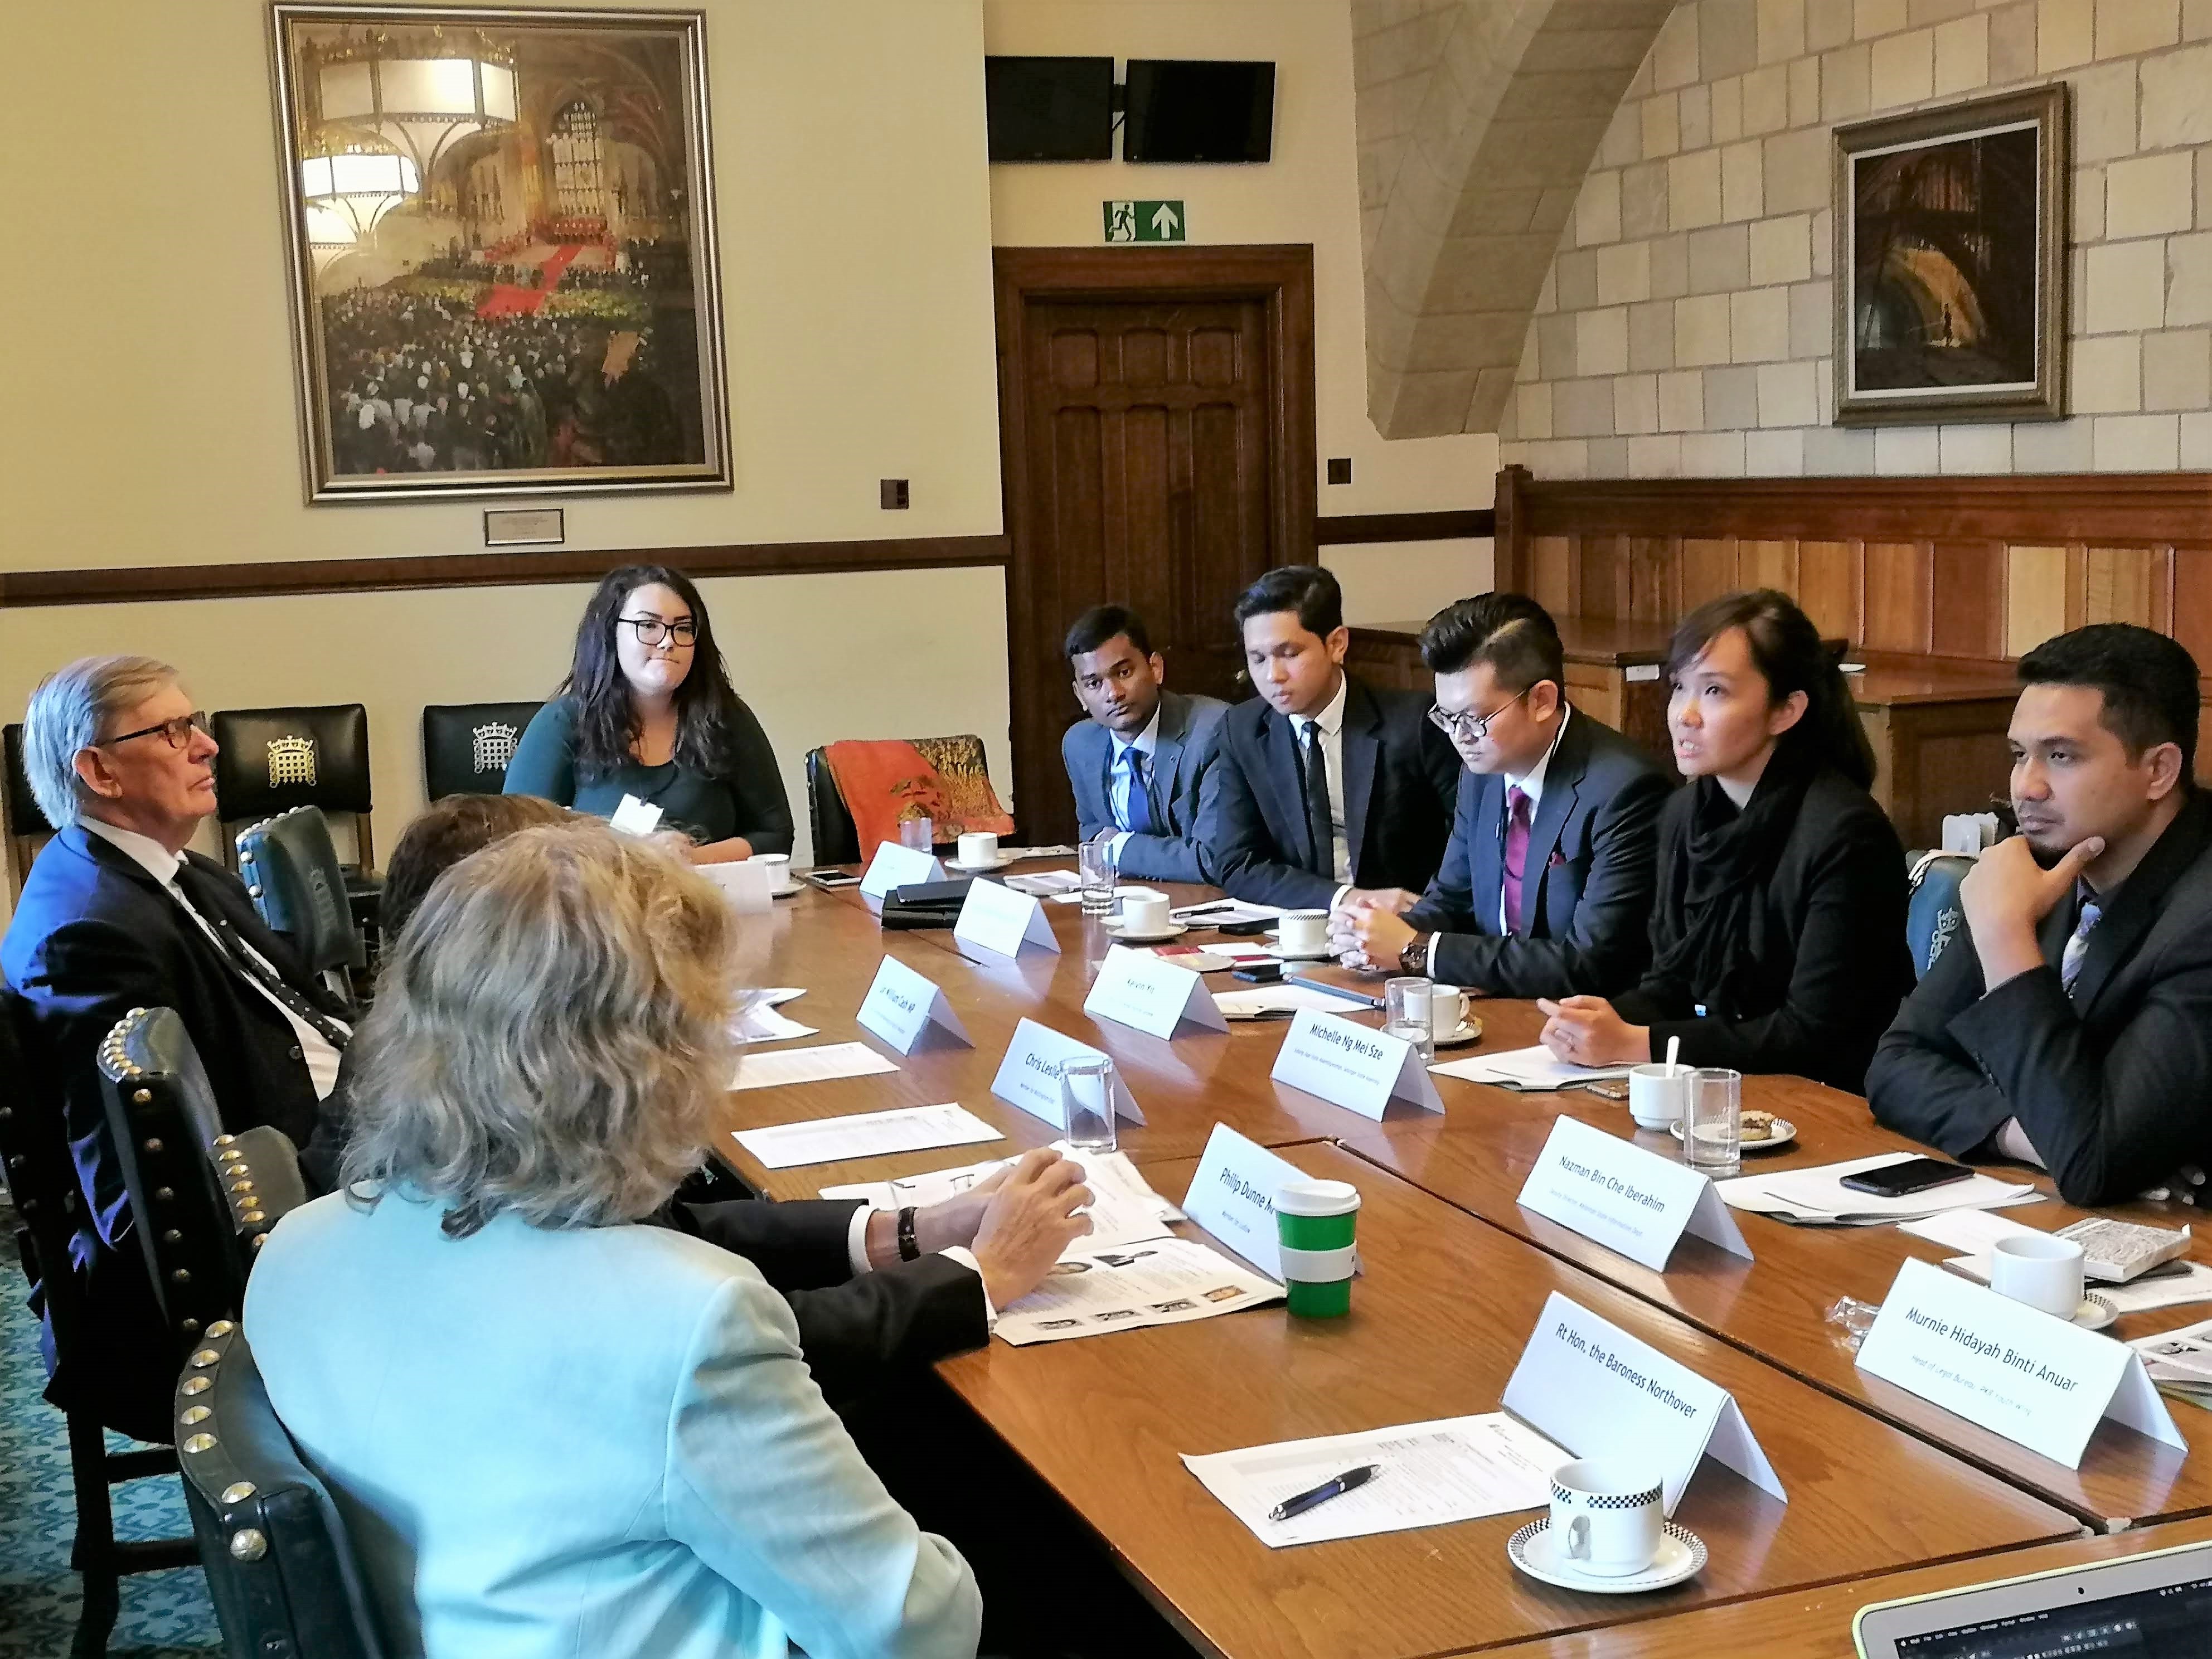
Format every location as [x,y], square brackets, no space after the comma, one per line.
[1354,1066]
[1029,1076]
[1618,1194]
[1137,989]
[902,1007]
[2024,1374]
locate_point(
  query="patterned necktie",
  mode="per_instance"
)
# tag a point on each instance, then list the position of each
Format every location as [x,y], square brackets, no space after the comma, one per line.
[1516,853]
[1137,815]
[2077,945]
[1321,831]
[249,962]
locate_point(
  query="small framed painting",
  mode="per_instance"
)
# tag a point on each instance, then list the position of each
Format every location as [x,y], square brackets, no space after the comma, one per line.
[500,232]
[1951,265]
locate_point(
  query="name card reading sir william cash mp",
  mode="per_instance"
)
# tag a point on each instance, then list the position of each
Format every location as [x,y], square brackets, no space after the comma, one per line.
[902,1006]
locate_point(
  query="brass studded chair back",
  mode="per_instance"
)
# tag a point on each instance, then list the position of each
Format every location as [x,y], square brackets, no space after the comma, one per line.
[281,1569]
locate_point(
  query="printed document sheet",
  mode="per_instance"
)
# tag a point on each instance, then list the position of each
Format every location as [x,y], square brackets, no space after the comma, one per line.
[864,1134]
[1533,1070]
[1817,1195]
[1123,1208]
[816,1065]
[1455,1468]
[762,1024]
[1158,1281]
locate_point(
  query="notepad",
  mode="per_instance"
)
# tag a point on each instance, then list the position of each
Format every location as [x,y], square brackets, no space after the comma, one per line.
[816,1065]
[864,1134]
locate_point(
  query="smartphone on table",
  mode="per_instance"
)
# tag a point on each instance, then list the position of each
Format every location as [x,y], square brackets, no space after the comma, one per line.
[1914,1175]
[830,881]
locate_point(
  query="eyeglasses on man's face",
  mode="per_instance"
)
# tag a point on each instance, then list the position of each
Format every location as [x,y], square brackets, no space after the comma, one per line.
[1464,726]
[682,634]
[177,733]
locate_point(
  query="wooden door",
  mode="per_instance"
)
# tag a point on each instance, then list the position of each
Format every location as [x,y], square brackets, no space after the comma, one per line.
[1145,402]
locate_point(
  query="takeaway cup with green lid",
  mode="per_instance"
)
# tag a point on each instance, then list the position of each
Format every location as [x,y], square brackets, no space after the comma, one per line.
[1315,1224]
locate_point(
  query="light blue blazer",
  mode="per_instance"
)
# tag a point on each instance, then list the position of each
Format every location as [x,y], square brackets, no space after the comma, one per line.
[600,1441]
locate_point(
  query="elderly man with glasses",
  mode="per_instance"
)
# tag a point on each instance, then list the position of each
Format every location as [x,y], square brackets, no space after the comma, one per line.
[115,915]
[1545,886]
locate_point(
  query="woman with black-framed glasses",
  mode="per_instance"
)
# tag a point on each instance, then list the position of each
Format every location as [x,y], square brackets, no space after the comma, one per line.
[647,713]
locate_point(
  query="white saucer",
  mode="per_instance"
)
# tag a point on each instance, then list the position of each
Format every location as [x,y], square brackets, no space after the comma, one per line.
[2094,1312]
[999,863]
[1280,954]
[1174,930]
[1470,1030]
[1785,1134]
[1682,1555]
[792,891]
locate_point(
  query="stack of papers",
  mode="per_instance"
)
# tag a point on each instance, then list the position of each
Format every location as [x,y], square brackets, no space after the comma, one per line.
[1817,1197]
[1160,1281]
[1532,1070]
[1225,913]
[864,1134]
[1275,1001]
[1124,1209]
[1455,1468]
[762,1024]
[2180,1362]
[1045,883]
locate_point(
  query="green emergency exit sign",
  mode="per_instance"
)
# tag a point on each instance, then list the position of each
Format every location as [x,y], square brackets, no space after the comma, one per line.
[1145,222]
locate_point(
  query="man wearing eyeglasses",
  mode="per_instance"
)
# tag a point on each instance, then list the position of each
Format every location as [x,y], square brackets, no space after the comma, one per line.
[1546,887]
[115,915]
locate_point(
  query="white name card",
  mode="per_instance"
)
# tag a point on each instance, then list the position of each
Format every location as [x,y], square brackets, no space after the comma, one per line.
[1600,1392]
[1232,1196]
[745,884]
[1626,1197]
[2030,1377]
[1029,1076]
[1136,989]
[1354,1066]
[895,865]
[902,1006]
[994,917]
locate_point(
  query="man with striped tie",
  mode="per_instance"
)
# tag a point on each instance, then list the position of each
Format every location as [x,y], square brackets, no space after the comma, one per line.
[2076,1032]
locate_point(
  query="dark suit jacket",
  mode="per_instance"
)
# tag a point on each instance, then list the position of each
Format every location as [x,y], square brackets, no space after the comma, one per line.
[1182,756]
[1399,776]
[1828,933]
[93,936]
[1586,896]
[2112,1083]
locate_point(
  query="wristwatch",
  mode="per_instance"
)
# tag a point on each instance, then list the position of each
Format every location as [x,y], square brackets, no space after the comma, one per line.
[909,1248]
[1415,958]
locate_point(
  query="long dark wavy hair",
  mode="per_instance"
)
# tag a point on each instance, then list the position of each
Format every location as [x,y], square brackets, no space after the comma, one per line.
[1786,648]
[607,726]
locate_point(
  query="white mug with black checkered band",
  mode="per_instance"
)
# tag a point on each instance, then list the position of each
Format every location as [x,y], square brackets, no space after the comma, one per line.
[1606,1518]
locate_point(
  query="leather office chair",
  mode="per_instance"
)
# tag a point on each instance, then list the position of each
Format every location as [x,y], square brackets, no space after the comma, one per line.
[281,1569]
[42,1184]
[291,870]
[467,747]
[275,759]
[837,841]
[28,828]
[1934,916]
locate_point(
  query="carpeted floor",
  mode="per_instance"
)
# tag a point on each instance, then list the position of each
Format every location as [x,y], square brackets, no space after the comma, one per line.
[166,1615]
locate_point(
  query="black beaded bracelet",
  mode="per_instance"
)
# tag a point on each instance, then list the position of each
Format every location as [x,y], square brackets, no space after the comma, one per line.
[909,1249]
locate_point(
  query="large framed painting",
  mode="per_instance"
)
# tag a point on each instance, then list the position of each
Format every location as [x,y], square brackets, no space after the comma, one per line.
[1950,266]
[502,236]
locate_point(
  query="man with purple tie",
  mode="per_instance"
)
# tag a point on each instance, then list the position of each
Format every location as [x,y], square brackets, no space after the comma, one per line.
[1545,886]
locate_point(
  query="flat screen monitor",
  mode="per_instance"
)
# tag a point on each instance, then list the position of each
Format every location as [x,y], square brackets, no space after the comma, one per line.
[1192,110]
[1049,109]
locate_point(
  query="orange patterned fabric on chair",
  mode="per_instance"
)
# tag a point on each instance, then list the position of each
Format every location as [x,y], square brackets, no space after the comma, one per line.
[887,782]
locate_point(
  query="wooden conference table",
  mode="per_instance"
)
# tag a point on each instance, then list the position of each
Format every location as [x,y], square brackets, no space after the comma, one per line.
[1456,1271]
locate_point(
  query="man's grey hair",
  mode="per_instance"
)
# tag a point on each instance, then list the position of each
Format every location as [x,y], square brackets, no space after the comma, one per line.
[72,709]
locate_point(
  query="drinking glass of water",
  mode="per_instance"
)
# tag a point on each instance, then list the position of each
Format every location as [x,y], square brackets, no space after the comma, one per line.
[1086,1100]
[919,834]
[1094,862]
[1406,1014]
[1712,1128]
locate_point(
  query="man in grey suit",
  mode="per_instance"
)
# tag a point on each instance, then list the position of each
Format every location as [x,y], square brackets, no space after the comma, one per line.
[1137,763]
[1545,885]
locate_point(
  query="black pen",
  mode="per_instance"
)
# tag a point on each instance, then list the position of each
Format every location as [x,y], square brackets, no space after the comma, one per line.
[1291,1508]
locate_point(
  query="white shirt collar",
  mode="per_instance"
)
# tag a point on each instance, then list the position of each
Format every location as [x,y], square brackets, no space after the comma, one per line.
[1146,743]
[1533,784]
[149,854]
[1331,719]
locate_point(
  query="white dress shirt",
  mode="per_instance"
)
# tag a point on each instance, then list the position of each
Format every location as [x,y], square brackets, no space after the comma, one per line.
[1331,721]
[159,862]
[856,1257]
[1118,781]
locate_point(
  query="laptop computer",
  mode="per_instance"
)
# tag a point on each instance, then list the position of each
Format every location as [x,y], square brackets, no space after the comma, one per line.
[2157,1605]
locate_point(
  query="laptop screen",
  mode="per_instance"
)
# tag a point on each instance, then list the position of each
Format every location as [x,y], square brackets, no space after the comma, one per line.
[2169,1623]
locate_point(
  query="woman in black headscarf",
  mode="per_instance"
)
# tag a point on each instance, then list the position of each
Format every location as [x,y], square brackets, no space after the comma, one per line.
[1778,931]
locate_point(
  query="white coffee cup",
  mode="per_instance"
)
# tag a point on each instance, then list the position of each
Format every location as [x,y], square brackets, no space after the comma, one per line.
[1144,911]
[778,865]
[1448,1007]
[978,847]
[1304,932]
[1656,1096]
[2040,1269]
[1605,1517]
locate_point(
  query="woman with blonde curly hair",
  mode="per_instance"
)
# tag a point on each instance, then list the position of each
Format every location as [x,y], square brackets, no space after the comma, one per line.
[553,1430]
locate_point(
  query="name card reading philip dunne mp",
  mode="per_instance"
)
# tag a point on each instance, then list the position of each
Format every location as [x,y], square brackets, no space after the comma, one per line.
[994,917]
[1602,1393]
[902,1006]
[1625,1197]
[895,865]
[1136,989]
[2029,1376]
[1354,1066]
[1029,1076]
[1232,1196]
